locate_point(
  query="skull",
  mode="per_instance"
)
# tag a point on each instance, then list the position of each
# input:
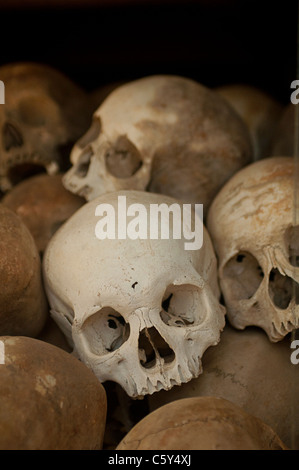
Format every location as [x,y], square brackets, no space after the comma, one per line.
[228,373]
[201,423]
[251,224]
[139,312]
[43,115]
[43,204]
[284,136]
[165,134]
[260,111]
[23,302]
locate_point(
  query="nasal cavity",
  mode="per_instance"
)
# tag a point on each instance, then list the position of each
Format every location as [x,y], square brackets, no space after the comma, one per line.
[280,289]
[11,137]
[153,347]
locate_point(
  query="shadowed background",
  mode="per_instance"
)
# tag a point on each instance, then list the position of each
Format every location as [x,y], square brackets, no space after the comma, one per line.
[97,42]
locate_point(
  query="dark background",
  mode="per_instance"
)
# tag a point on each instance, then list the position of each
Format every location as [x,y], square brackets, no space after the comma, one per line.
[215,42]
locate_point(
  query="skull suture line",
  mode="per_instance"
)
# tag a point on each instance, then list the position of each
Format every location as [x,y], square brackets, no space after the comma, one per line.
[252,227]
[138,312]
[43,115]
[165,134]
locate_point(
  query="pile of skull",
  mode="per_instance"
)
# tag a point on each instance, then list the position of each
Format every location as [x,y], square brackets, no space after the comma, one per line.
[137,343]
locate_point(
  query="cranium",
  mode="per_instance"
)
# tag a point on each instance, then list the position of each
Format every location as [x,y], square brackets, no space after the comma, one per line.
[43,115]
[48,391]
[140,312]
[43,204]
[252,227]
[164,134]
[228,373]
[284,136]
[201,423]
[260,111]
[23,302]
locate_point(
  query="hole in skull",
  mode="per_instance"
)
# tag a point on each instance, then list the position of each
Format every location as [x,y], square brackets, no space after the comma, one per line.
[106,331]
[242,276]
[166,303]
[123,160]
[83,164]
[23,171]
[292,240]
[64,151]
[150,345]
[11,137]
[221,300]
[280,289]
[181,306]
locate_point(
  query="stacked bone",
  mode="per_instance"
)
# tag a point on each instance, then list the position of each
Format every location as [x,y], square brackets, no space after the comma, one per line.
[136,318]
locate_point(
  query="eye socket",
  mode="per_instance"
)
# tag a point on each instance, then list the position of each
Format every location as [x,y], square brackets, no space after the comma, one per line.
[106,330]
[242,275]
[182,306]
[123,160]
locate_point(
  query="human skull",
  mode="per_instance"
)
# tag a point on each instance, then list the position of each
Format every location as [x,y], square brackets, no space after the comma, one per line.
[164,134]
[251,224]
[139,312]
[284,137]
[227,373]
[261,113]
[23,303]
[201,423]
[49,392]
[43,115]
[43,204]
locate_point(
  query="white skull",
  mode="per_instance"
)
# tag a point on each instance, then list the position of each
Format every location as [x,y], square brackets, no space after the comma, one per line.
[164,134]
[251,224]
[43,115]
[138,312]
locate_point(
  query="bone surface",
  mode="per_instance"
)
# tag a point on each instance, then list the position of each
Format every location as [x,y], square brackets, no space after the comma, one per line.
[43,204]
[23,303]
[251,224]
[138,312]
[201,423]
[165,134]
[283,140]
[259,110]
[49,399]
[245,368]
